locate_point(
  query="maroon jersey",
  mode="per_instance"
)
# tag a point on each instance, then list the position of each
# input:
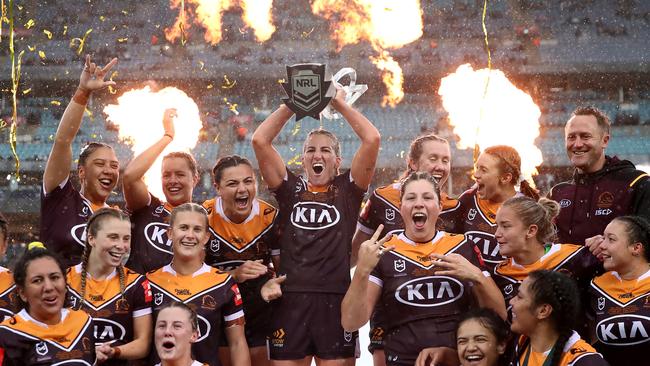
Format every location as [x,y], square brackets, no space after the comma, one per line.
[574,260]
[64,213]
[26,341]
[576,352]
[316,230]
[214,296]
[421,308]
[112,312]
[622,314]
[150,246]
[476,218]
[7,293]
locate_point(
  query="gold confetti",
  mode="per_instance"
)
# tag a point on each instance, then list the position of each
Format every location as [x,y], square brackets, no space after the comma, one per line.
[227,83]
[89,113]
[26,91]
[30,23]
[31,48]
[122,40]
[114,27]
[111,89]
[201,64]
[41,54]
[216,138]
[307,34]
[231,106]
[81,41]
[102,18]
[125,12]
[296,129]
[295,160]
[210,86]
[65,30]
[55,102]
[47,33]
[281,81]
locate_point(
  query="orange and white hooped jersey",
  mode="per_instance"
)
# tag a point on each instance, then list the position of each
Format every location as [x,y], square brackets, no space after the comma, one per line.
[112,311]
[622,312]
[26,341]
[214,296]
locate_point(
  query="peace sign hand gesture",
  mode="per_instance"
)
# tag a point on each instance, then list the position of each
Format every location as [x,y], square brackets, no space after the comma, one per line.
[371,251]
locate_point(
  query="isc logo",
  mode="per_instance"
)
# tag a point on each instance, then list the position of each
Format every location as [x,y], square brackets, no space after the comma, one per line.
[314,215]
[624,330]
[429,291]
[487,245]
[156,234]
[108,330]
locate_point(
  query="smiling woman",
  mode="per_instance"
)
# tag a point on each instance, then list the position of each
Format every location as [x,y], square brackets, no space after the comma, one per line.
[118,299]
[150,245]
[64,210]
[425,279]
[213,293]
[43,331]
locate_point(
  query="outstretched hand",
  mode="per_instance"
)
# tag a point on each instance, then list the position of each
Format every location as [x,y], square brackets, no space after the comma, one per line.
[92,76]
[272,288]
[456,266]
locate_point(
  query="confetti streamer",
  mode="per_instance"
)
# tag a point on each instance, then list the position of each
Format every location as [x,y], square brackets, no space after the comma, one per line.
[82,41]
[47,33]
[15,81]
[477,148]
[227,83]
[30,23]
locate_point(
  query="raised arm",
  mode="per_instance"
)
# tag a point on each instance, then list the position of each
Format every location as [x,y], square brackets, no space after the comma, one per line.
[363,163]
[58,164]
[136,193]
[361,297]
[269,160]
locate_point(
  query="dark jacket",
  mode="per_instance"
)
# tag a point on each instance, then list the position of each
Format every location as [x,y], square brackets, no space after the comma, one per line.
[590,201]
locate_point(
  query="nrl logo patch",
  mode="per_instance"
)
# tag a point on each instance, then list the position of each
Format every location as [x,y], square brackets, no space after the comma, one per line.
[399,265]
[309,89]
[390,214]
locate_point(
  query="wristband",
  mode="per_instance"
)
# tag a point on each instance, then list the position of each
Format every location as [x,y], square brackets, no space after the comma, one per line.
[117,352]
[168,135]
[81,96]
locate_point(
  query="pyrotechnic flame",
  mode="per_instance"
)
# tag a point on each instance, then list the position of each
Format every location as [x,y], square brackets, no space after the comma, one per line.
[208,14]
[492,118]
[139,113]
[386,24]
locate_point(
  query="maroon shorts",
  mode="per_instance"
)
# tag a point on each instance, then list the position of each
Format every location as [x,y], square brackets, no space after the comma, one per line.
[309,324]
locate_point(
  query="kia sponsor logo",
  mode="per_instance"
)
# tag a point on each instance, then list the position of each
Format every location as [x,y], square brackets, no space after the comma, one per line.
[487,245]
[314,215]
[156,234]
[204,328]
[429,291]
[78,233]
[108,330]
[624,330]
[564,203]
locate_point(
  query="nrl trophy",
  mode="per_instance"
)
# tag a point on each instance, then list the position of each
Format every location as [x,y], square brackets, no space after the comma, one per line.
[310,88]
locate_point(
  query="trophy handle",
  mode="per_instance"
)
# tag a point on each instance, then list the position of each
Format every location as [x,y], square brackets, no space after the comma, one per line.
[353,91]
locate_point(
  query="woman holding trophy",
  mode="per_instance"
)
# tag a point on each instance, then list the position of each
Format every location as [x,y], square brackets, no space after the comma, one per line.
[317,221]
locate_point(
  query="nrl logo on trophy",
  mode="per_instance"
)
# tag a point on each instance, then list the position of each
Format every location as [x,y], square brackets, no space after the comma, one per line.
[309,89]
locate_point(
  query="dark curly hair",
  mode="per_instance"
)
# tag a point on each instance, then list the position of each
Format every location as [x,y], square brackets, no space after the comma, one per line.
[559,292]
[32,253]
